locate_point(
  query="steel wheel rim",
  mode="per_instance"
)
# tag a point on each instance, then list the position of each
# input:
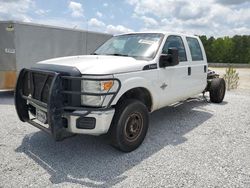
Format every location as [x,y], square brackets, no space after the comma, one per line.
[133,126]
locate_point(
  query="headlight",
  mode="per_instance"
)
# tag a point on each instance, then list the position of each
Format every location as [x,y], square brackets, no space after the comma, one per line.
[91,86]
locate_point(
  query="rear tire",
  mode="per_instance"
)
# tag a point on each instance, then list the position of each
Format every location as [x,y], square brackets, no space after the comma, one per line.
[129,126]
[217,90]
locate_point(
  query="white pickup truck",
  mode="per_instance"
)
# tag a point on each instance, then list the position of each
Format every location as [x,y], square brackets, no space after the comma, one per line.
[113,90]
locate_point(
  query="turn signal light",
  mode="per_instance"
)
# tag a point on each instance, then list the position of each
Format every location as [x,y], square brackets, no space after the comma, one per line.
[107,85]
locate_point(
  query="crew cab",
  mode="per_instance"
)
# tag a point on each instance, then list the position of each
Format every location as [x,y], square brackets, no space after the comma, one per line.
[113,90]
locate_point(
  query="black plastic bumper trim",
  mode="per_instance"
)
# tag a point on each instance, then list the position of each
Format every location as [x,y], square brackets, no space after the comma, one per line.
[85,123]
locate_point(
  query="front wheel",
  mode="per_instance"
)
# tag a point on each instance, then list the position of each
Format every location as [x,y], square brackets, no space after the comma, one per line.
[217,90]
[129,126]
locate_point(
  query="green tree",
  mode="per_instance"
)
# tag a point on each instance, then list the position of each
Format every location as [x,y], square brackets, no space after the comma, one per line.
[227,49]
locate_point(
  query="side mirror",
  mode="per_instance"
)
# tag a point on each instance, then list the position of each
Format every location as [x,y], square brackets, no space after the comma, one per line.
[170,59]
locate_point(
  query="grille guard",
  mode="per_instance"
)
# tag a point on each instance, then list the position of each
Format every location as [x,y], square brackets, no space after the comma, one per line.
[55,107]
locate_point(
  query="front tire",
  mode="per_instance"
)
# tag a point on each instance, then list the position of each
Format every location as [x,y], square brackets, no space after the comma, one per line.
[129,126]
[217,90]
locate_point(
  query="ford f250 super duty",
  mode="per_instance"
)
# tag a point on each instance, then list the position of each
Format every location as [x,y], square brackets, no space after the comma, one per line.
[113,90]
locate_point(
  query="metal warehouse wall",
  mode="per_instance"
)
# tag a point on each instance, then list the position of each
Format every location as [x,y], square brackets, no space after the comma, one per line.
[7,59]
[24,44]
[35,43]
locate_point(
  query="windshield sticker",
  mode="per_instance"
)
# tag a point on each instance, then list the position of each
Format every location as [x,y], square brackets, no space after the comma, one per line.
[143,41]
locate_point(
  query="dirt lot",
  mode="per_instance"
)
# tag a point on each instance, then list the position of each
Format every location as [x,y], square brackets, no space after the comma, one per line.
[244,74]
[195,144]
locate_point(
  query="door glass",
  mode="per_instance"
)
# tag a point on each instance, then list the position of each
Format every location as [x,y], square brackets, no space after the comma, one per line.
[175,42]
[195,49]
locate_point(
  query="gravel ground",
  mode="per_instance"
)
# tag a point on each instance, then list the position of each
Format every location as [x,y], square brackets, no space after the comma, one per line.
[195,144]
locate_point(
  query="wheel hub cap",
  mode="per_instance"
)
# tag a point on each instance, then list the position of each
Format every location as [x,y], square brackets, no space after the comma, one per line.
[133,126]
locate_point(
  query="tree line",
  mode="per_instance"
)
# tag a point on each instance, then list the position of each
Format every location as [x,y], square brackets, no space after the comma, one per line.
[227,49]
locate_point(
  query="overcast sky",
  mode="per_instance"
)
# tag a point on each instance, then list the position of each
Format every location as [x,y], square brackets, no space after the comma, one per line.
[209,17]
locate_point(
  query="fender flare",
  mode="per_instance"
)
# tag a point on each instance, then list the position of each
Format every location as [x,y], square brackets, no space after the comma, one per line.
[137,82]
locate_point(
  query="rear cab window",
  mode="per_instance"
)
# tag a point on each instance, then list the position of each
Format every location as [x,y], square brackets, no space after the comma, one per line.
[195,49]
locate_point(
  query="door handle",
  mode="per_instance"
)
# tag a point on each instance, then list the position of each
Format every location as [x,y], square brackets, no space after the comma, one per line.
[205,68]
[189,71]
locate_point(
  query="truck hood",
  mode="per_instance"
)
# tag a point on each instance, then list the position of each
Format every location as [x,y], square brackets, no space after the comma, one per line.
[98,64]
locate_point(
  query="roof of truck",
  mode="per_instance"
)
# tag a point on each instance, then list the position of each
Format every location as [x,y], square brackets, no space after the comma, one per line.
[160,32]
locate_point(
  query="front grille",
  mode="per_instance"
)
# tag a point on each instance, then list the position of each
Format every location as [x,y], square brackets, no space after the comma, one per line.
[37,85]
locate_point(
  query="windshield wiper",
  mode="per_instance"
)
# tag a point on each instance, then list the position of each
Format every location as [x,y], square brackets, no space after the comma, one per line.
[94,53]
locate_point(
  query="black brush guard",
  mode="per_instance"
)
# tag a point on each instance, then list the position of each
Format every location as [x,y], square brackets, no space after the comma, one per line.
[55,104]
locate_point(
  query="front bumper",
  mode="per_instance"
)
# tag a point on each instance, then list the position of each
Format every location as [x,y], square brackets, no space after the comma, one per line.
[62,105]
[100,123]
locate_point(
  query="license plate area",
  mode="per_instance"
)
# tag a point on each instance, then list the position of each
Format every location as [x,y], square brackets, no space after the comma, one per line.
[41,116]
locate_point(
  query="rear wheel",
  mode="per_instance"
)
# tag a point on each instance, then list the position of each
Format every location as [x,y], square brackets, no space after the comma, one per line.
[217,90]
[129,126]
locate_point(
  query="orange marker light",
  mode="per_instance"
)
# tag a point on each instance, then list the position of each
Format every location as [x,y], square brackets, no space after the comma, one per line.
[107,85]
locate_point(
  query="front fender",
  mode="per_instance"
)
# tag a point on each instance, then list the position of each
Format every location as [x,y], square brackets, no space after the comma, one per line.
[134,80]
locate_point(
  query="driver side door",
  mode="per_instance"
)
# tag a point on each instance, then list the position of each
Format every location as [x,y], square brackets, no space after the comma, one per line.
[174,79]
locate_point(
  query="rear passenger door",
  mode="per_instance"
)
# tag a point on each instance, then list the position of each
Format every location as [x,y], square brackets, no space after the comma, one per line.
[197,64]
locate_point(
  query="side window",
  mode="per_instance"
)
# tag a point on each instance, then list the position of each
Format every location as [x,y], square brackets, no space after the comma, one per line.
[175,42]
[195,49]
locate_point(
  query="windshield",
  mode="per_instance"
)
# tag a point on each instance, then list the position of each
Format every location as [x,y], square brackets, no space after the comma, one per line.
[141,45]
